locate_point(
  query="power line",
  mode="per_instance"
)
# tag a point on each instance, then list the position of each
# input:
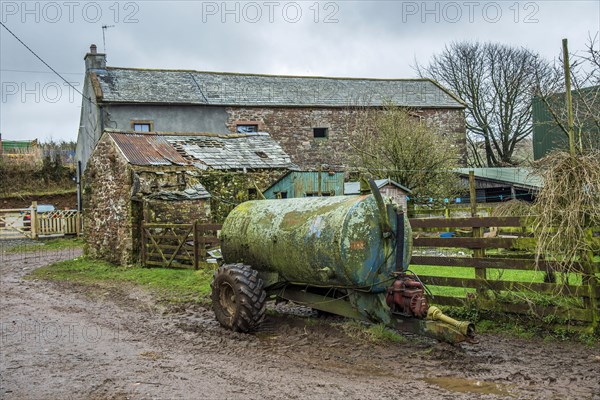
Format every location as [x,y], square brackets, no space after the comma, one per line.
[46,64]
[40,72]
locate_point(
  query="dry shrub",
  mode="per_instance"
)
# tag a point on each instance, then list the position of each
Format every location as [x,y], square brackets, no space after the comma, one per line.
[512,208]
[567,206]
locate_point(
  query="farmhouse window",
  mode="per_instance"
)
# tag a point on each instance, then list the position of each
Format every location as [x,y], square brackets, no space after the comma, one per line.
[320,133]
[142,126]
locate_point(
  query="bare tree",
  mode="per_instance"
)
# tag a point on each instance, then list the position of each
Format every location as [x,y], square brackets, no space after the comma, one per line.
[496,82]
[395,143]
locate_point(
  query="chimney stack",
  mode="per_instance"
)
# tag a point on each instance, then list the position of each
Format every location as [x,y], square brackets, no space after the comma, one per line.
[94,60]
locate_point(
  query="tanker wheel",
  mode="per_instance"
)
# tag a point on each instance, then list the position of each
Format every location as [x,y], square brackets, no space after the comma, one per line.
[238,298]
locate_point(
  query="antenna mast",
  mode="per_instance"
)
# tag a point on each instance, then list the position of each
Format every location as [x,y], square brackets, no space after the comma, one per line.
[104,28]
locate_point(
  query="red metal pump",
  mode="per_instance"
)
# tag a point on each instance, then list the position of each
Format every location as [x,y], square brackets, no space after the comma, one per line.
[406,296]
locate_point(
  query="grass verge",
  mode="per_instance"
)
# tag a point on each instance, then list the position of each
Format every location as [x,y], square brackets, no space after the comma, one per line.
[170,285]
[44,192]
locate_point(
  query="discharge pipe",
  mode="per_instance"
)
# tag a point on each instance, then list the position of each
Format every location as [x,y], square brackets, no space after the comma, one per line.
[465,327]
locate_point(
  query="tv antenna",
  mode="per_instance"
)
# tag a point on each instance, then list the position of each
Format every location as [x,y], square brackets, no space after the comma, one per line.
[104,28]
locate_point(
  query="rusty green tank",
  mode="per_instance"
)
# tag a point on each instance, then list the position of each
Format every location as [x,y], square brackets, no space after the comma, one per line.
[332,241]
[346,255]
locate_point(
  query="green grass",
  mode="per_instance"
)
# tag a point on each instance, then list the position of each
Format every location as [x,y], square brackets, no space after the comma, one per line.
[171,285]
[522,276]
[48,244]
[44,192]
[377,333]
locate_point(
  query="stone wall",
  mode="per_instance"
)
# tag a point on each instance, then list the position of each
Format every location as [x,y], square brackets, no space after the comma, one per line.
[107,211]
[230,188]
[292,128]
[177,212]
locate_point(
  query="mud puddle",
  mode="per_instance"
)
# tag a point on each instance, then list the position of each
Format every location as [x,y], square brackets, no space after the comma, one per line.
[476,386]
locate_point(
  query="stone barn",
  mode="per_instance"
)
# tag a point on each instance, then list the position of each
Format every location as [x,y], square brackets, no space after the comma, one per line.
[132,177]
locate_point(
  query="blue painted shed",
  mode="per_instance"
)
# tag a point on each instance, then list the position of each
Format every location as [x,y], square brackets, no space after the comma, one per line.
[306,184]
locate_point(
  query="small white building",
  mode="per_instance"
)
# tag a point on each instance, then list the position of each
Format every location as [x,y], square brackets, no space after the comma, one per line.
[387,187]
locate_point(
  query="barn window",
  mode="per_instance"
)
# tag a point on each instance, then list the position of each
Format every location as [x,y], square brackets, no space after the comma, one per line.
[246,128]
[321,133]
[142,126]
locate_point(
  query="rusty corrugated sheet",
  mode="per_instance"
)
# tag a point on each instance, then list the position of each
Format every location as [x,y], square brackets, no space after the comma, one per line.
[147,149]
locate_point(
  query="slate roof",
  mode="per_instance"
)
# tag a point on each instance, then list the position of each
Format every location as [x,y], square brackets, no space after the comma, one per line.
[129,85]
[194,192]
[354,187]
[203,150]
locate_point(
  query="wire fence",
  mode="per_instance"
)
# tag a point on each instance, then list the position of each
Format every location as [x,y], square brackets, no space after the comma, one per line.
[27,251]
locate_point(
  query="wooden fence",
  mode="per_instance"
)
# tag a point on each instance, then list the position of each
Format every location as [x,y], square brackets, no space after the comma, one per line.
[177,245]
[506,246]
[21,223]
[450,211]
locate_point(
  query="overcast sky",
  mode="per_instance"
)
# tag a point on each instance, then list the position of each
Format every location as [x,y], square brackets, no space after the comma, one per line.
[379,39]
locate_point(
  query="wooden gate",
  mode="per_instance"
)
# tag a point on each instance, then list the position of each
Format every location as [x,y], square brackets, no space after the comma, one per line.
[23,223]
[176,245]
[65,222]
[13,224]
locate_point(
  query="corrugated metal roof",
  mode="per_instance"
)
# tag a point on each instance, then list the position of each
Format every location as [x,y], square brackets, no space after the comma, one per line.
[128,85]
[354,187]
[250,151]
[147,149]
[518,176]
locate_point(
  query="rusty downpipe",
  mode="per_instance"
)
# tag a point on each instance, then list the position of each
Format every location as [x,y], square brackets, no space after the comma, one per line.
[465,327]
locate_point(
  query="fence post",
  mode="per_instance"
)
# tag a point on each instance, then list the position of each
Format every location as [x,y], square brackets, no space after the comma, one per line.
[480,274]
[591,303]
[143,243]
[78,223]
[196,245]
[33,220]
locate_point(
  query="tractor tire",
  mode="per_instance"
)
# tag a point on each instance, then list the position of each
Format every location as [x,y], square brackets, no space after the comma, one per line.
[238,297]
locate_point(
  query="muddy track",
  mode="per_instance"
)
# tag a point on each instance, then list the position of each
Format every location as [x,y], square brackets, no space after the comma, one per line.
[73,341]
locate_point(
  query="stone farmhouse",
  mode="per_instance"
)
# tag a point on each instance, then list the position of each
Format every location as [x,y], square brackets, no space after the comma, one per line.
[307,116]
[165,178]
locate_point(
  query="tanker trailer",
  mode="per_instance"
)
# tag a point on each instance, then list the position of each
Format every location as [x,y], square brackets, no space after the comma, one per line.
[346,255]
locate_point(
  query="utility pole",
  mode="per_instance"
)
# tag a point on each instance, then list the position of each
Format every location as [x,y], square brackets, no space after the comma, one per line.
[568,98]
